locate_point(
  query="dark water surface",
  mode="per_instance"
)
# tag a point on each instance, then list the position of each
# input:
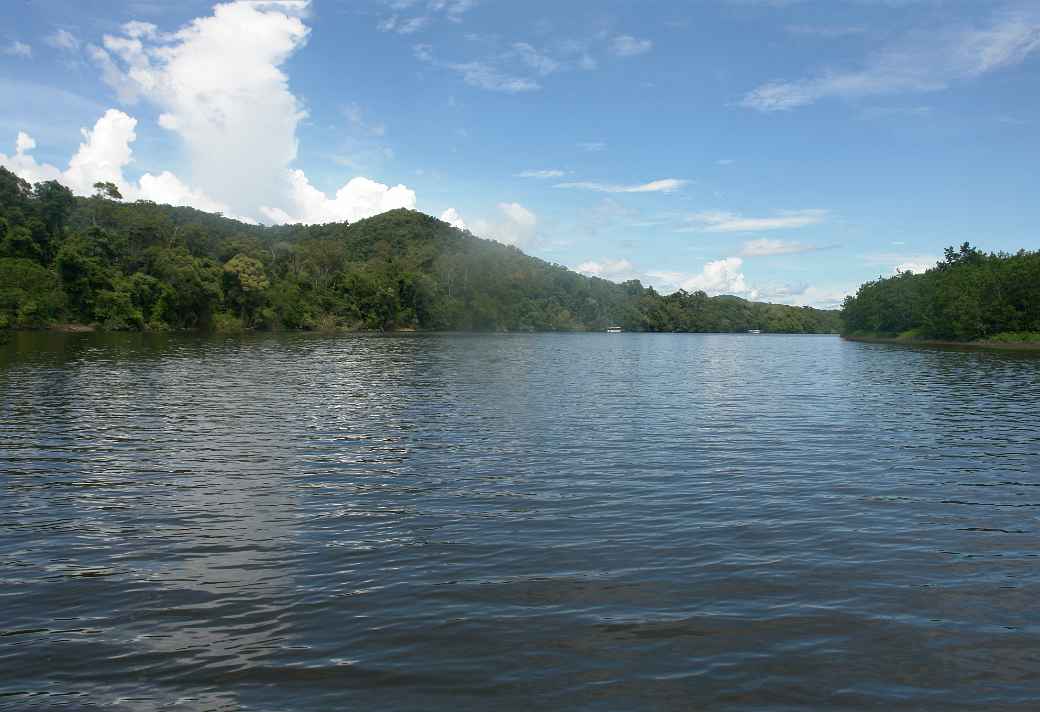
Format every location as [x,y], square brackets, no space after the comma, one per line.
[659,522]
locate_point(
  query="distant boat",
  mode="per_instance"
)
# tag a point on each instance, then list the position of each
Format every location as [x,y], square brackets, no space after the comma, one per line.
[613,329]
[754,331]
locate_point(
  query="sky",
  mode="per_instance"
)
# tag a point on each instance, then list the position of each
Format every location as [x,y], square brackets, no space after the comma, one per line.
[778,150]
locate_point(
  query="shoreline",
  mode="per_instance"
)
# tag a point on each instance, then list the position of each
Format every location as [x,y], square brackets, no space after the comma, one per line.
[72,328]
[938,343]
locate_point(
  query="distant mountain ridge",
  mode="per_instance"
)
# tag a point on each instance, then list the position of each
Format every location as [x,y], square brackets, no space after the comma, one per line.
[133,266]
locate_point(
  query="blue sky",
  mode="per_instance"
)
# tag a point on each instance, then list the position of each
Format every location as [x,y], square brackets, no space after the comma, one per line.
[783,150]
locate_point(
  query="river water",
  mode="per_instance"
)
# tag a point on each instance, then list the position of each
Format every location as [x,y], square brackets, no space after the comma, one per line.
[615,522]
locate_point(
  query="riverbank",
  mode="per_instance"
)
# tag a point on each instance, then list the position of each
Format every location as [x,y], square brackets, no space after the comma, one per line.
[74,328]
[983,345]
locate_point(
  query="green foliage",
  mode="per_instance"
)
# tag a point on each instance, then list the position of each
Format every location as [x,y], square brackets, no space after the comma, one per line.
[18,242]
[245,285]
[193,288]
[968,296]
[1016,337]
[115,311]
[82,263]
[54,203]
[107,190]
[145,266]
[30,295]
[226,322]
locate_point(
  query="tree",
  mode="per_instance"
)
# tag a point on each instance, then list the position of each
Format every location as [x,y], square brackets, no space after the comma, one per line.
[107,190]
[194,288]
[30,295]
[244,285]
[141,265]
[15,196]
[82,265]
[55,203]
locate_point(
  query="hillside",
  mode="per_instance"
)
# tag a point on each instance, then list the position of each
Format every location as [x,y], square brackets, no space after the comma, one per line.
[968,296]
[135,266]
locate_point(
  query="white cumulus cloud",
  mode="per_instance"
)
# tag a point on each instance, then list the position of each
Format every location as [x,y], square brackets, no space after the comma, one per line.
[219,85]
[168,189]
[913,267]
[615,270]
[516,225]
[103,154]
[359,198]
[720,277]
[896,262]
[220,88]
[452,217]
[22,164]
[101,157]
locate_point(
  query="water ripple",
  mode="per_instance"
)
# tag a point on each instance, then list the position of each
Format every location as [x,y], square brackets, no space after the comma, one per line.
[465,522]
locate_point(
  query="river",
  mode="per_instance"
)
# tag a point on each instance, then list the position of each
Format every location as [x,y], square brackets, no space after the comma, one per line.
[615,522]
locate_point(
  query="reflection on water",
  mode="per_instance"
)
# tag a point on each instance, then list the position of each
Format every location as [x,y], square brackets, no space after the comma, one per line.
[415,522]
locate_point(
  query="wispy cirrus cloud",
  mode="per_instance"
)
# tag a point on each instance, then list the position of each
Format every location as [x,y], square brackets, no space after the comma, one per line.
[665,185]
[895,112]
[717,221]
[769,248]
[548,173]
[539,61]
[922,62]
[63,39]
[479,74]
[517,66]
[629,46]
[485,76]
[402,24]
[828,32]
[17,49]
[592,146]
[356,116]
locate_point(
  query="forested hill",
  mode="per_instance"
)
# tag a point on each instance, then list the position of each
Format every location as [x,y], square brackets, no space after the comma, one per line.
[136,266]
[968,296]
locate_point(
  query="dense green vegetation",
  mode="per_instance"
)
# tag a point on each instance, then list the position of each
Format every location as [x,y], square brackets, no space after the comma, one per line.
[136,266]
[968,296]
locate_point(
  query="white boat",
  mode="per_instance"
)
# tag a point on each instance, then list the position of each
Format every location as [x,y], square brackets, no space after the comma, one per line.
[613,329]
[754,331]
